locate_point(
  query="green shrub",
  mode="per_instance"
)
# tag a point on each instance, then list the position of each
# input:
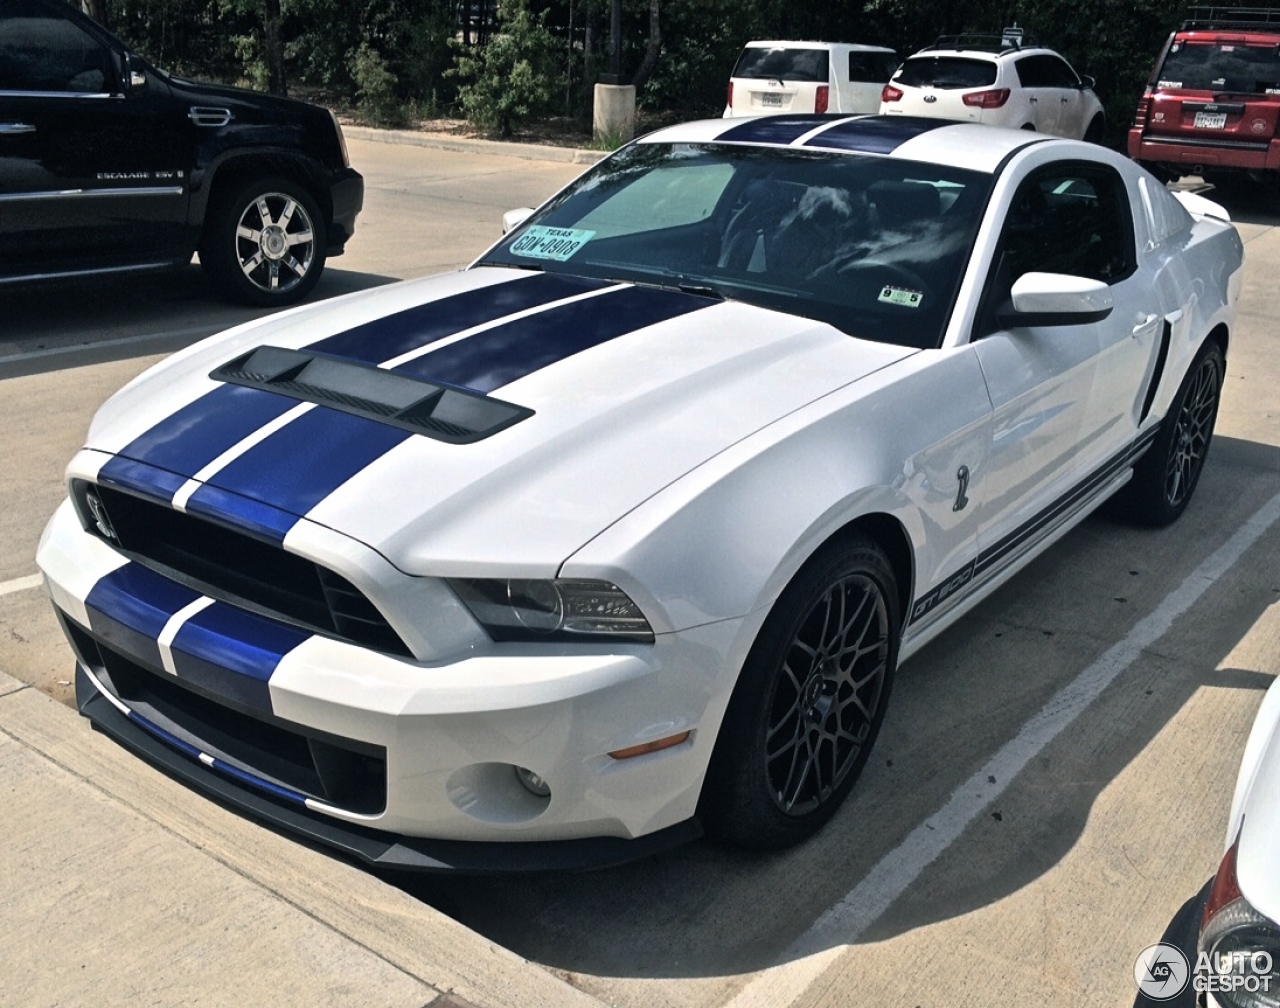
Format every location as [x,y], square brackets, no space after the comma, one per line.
[377,103]
[513,78]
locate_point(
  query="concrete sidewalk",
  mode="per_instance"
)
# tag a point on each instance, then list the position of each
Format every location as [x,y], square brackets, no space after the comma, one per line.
[528,151]
[119,886]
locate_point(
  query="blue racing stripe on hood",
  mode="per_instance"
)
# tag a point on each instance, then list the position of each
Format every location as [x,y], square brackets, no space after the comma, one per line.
[196,434]
[141,478]
[190,438]
[280,479]
[780,129]
[387,338]
[501,355]
[294,470]
[875,134]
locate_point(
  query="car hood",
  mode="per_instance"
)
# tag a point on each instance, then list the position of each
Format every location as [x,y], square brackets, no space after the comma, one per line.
[592,397]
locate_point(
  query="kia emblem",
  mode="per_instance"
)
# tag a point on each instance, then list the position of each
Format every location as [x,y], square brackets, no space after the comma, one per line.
[930,98]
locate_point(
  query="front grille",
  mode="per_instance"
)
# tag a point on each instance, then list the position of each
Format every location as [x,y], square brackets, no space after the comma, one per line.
[344,773]
[226,564]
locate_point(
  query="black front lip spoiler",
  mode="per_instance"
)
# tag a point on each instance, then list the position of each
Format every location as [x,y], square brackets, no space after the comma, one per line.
[376,848]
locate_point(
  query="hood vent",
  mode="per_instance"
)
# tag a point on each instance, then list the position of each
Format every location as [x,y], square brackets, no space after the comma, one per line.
[411,404]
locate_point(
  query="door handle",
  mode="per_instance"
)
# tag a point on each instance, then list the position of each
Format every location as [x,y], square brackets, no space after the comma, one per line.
[1033,100]
[1145,323]
[15,127]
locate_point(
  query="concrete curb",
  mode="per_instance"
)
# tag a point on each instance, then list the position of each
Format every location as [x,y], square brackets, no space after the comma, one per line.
[119,886]
[528,151]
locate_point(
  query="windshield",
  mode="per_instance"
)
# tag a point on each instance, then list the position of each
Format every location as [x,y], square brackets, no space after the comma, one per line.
[1220,66]
[874,246]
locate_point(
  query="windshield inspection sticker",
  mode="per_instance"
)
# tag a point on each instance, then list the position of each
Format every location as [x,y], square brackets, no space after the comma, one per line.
[550,243]
[900,296]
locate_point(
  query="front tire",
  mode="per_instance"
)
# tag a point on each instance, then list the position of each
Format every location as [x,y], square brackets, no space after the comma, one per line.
[1166,476]
[264,242]
[1096,131]
[809,702]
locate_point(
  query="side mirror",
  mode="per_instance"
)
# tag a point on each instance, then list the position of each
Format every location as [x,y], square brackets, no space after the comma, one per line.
[1087,83]
[135,73]
[1055,299]
[512,219]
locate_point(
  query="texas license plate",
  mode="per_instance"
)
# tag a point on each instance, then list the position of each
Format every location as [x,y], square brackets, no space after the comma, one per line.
[771,100]
[1211,120]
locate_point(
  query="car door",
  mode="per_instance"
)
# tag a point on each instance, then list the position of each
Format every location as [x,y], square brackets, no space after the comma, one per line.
[1067,398]
[92,172]
[1035,76]
[1062,83]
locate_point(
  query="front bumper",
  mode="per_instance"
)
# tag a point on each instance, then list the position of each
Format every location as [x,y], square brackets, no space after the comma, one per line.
[390,759]
[346,193]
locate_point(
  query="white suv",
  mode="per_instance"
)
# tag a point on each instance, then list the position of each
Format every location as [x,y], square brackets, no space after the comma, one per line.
[804,77]
[1001,80]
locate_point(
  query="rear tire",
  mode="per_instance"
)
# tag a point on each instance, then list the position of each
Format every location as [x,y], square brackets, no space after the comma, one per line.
[1096,131]
[1166,476]
[809,702]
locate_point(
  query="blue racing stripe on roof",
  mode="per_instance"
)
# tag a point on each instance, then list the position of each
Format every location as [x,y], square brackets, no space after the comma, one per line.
[386,338]
[501,355]
[190,438]
[781,129]
[875,134]
[232,653]
[296,468]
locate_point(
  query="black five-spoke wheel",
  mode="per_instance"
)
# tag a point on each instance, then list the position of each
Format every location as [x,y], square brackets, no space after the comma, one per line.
[809,701]
[1166,476]
[827,696]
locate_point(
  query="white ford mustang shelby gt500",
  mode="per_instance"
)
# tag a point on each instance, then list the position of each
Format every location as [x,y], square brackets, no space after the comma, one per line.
[620,533]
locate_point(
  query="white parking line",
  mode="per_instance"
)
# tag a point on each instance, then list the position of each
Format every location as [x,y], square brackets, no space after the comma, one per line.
[21,584]
[845,922]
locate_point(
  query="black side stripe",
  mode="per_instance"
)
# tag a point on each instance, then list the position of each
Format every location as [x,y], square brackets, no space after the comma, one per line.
[995,554]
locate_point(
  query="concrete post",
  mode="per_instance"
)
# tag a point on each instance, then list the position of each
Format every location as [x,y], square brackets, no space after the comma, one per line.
[614,116]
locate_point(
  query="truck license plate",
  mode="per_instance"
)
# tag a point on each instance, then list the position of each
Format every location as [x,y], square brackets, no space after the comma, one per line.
[1211,120]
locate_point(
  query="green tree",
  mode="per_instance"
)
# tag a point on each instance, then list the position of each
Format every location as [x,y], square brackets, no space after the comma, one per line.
[514,77]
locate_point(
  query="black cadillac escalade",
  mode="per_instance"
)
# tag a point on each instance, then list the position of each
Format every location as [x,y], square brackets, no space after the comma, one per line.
[108,164]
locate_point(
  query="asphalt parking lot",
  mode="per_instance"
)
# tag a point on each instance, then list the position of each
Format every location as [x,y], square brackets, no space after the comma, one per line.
[1053,778]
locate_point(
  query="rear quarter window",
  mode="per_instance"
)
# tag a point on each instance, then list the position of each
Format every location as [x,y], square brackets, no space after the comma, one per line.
[1222,66]
[871,67]
[946,72]
[784,64]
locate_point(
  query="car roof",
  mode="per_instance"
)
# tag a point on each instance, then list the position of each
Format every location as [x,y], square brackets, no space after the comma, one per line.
[916,138]
[794,44]
[985,54]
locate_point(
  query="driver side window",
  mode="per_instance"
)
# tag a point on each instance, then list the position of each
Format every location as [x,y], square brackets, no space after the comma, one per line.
[41,51]
[1071,219]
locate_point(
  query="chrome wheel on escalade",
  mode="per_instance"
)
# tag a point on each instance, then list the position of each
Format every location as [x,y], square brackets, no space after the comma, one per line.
[264,242]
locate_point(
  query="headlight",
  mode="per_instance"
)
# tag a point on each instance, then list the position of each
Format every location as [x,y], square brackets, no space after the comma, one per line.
[553,610]
[1242,945]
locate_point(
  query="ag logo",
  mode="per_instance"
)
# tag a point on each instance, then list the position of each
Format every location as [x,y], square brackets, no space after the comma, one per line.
[1161,971]
[1258,125]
